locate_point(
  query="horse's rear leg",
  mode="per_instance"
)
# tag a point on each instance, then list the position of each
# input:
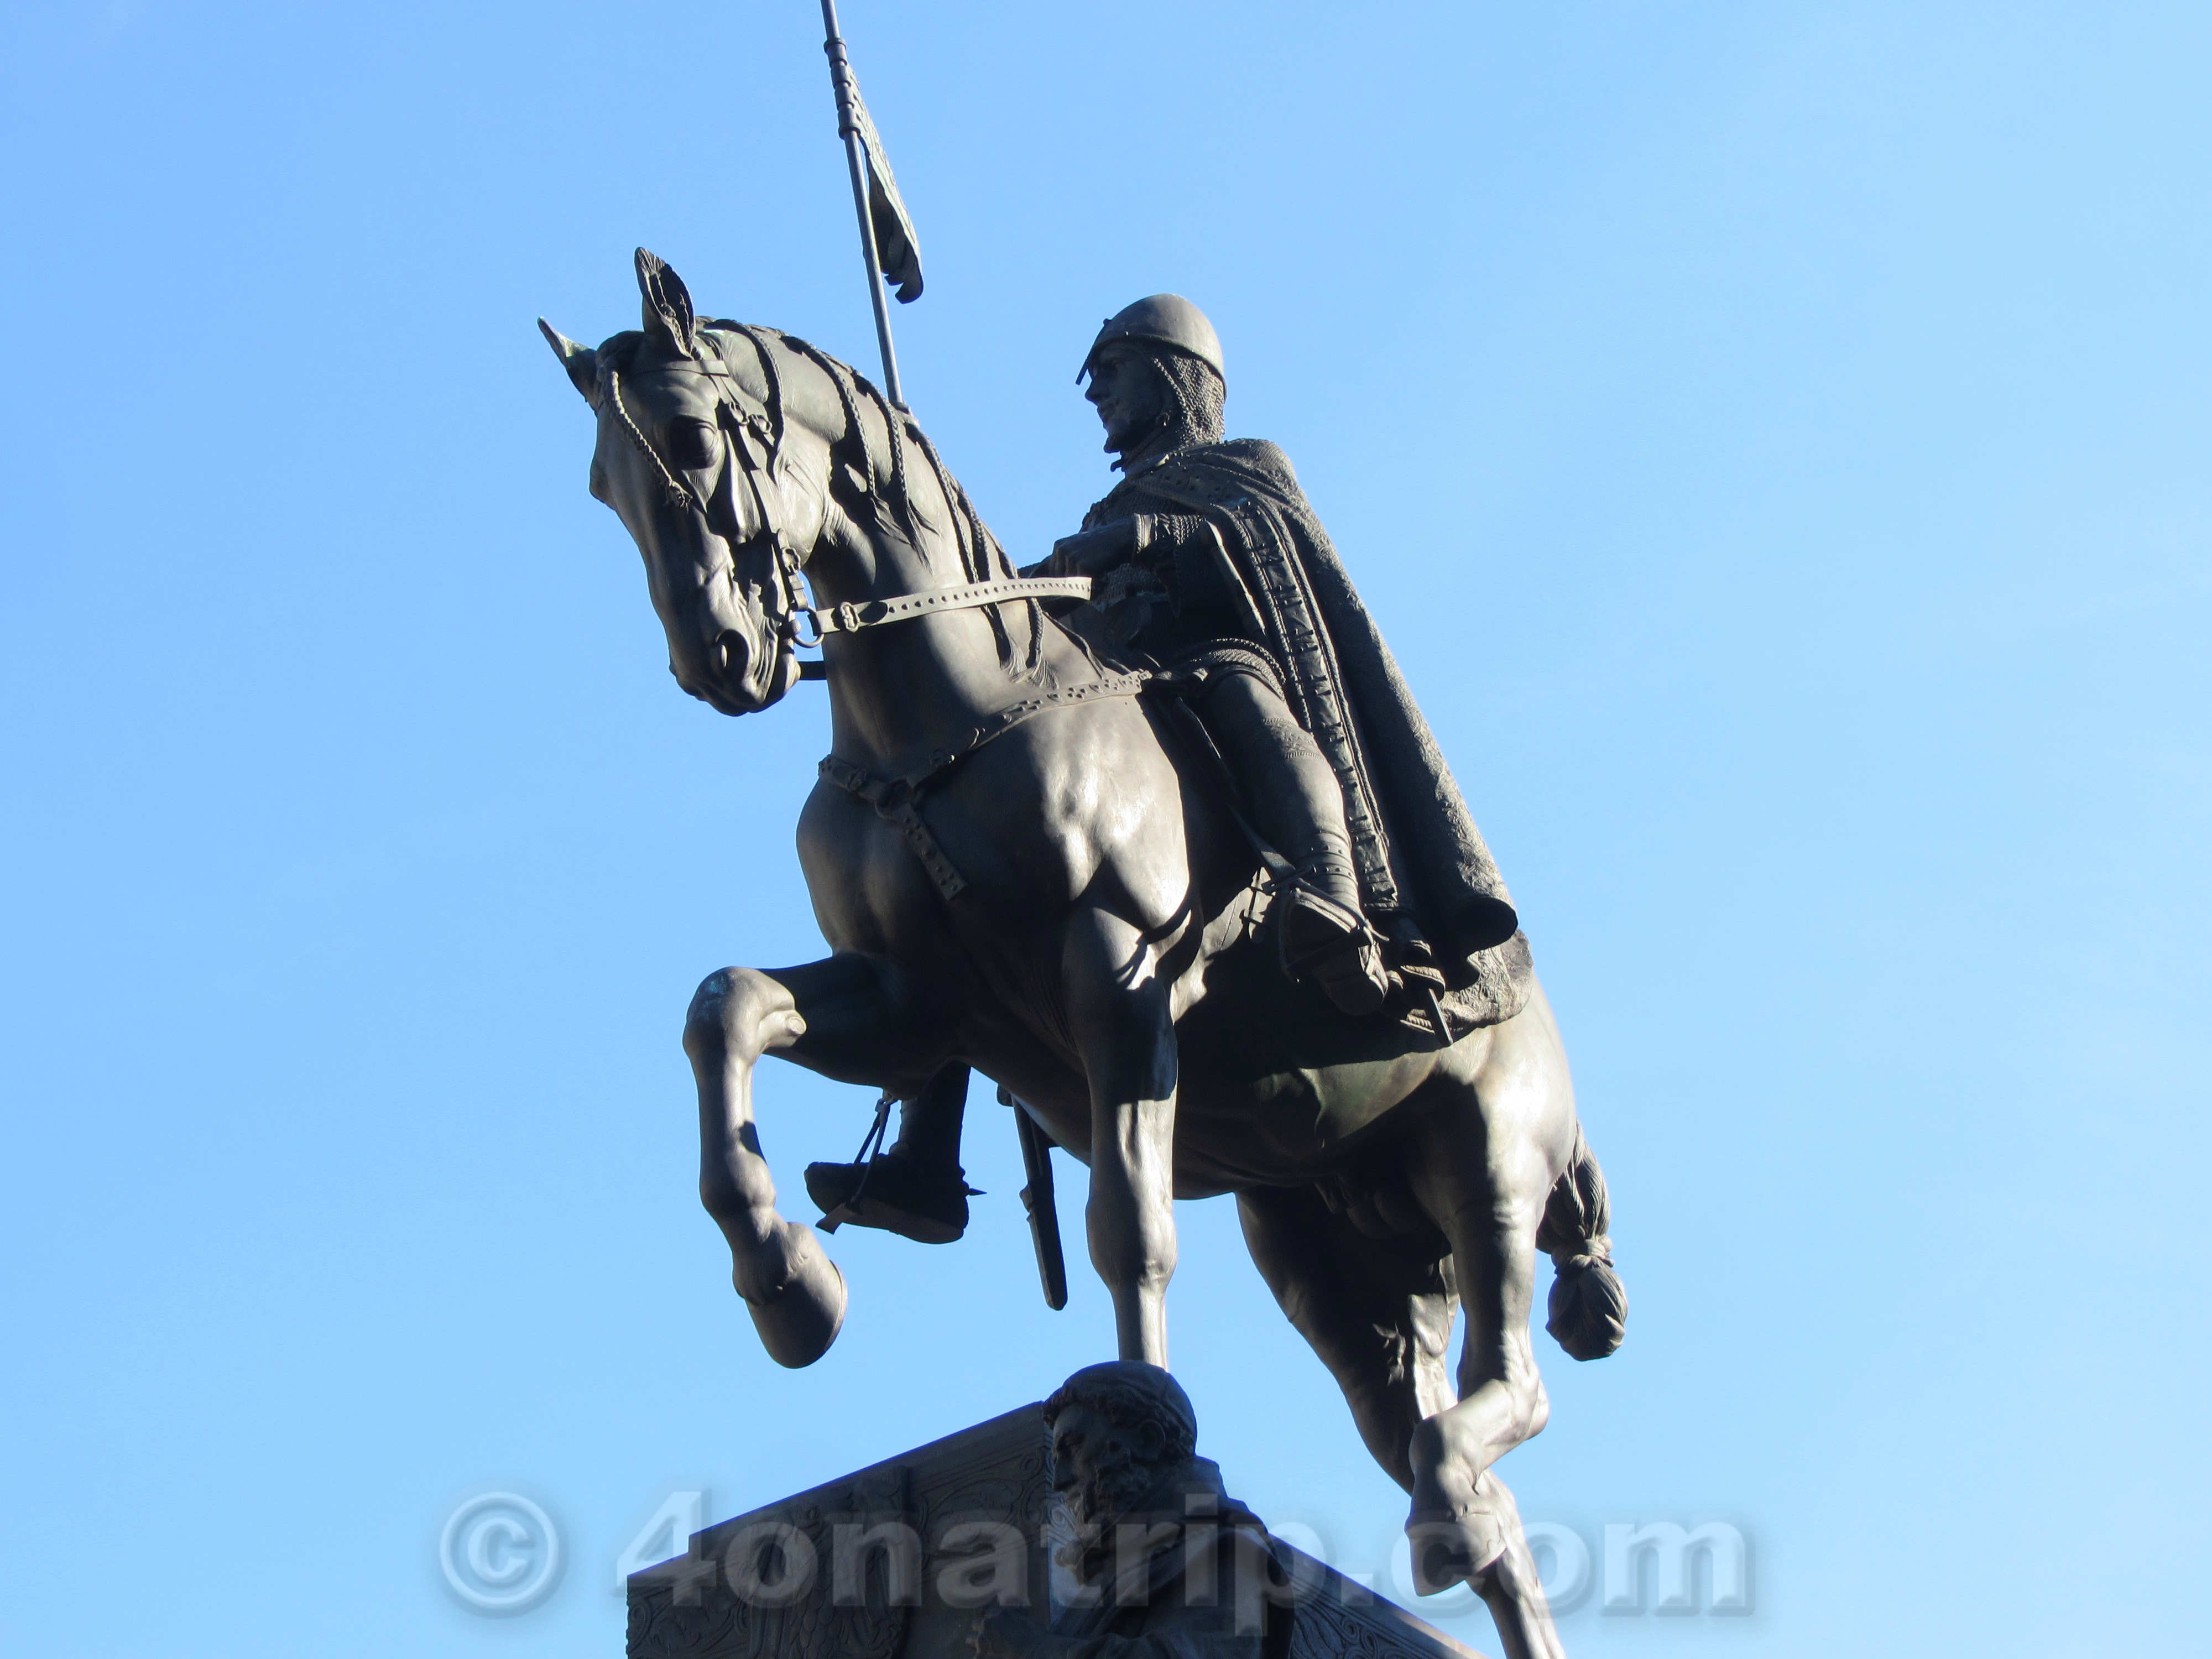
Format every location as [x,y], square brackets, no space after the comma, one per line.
[1510,1586]
[1465,1525]
[1502,1401]
[1491,1143]
[1379,1319]
[1380,1322]
[848,1018]
[1120,1017]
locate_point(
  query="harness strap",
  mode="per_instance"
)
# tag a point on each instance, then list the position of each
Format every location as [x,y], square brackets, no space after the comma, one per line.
[897,800]
[853,616]
[893,799]
[757,430]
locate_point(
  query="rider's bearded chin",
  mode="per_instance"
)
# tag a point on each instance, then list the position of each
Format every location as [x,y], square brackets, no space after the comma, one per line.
[1114,418]
[1129,438]
[1130,416]
[1111,1490]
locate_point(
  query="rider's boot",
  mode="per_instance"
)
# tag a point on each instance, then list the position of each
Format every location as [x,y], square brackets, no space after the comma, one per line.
[1322,934]
[890,1191]
[1297,804]
[916,1189]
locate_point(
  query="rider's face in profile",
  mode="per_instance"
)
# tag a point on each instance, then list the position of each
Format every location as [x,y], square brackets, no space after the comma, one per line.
[1126,391]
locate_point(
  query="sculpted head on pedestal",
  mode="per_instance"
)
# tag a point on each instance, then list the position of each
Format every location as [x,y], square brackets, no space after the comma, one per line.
[1116,1429]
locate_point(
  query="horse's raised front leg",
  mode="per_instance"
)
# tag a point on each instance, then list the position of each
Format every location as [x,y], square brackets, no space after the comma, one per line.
[1120,1017]
[848,1017]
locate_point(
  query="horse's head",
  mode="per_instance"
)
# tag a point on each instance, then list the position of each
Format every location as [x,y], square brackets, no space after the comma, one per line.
[682,458]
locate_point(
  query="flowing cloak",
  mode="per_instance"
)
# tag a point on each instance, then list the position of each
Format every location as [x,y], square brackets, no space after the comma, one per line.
[1418,854]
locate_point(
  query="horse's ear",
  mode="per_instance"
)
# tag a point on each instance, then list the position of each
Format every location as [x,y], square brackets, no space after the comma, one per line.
[667,303]
[580,360]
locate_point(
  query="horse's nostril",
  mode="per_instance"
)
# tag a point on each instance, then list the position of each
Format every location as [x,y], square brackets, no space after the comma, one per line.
[730,653]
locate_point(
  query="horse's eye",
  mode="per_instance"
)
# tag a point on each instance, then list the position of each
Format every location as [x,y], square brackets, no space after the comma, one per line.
[691,444]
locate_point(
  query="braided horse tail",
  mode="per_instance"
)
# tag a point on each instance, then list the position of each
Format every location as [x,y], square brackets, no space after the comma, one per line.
[1589,1305]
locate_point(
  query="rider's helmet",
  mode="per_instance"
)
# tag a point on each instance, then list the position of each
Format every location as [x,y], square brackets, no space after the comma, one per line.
[1168,318]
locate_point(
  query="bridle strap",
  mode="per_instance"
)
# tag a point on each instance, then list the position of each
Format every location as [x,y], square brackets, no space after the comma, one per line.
[855,615]
[766,426]
[755,434]
[751,425]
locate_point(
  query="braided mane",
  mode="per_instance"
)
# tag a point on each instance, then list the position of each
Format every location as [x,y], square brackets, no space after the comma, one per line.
[982,558]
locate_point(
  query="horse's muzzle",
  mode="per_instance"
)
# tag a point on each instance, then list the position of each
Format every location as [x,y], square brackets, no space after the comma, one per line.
[735,678]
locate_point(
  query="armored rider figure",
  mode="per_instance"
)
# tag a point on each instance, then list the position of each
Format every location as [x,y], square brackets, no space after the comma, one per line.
[1211,565]
[1170,591]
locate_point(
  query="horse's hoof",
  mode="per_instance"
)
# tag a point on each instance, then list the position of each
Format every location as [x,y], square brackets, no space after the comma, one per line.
[1455,1549]
[799,1320]
[929,1206]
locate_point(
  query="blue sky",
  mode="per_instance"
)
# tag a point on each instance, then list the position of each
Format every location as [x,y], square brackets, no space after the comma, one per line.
[1773,437]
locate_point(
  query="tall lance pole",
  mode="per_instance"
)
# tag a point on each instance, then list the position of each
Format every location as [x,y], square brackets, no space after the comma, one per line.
[856,163]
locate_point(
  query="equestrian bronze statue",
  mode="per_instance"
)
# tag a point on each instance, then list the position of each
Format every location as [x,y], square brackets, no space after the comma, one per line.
[1154,836]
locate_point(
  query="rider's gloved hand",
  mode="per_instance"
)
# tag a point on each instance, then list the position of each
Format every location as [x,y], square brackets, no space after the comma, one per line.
[1088,552]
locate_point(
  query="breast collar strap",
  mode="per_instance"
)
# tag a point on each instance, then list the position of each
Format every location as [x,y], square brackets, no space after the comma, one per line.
[897,800]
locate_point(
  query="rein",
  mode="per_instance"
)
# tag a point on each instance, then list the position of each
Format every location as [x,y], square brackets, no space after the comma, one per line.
[853,616]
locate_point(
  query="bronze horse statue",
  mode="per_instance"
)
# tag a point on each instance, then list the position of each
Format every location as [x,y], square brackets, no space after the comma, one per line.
[1019,867]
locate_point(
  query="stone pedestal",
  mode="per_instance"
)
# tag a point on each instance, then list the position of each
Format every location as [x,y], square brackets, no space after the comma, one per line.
[860,1568]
